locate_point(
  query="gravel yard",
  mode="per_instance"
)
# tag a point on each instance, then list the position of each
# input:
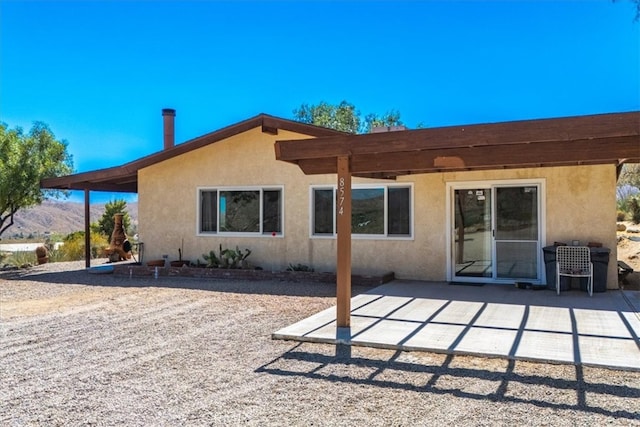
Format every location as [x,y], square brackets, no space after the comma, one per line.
[84,349]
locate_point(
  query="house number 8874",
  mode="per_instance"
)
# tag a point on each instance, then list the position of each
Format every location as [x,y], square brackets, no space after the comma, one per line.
[341,196]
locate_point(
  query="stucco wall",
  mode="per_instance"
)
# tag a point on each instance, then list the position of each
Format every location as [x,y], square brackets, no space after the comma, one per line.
[580,204]
[168,199]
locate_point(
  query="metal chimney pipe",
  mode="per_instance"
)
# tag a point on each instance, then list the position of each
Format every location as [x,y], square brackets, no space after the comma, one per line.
[168,118]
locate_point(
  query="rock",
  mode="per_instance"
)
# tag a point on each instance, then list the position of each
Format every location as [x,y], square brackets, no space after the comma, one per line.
[620,226]
[634,238]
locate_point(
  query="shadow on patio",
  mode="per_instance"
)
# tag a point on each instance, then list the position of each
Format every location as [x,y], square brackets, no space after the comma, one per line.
[493,321]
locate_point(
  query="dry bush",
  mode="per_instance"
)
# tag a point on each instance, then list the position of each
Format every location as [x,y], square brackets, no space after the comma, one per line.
[73,247]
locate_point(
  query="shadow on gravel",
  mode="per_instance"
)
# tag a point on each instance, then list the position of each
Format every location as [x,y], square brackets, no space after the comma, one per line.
[272,287]
[395,374]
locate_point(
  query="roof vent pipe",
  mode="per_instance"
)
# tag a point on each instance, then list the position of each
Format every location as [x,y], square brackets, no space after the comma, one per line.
[168,118]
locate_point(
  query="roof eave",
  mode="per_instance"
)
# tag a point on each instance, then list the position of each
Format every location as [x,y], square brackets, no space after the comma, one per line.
[124,178]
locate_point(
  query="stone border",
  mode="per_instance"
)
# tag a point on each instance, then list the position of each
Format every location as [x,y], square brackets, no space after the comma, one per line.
[254,275]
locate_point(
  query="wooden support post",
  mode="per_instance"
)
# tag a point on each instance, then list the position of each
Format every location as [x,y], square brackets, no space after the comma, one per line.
[343,214]
[87,230]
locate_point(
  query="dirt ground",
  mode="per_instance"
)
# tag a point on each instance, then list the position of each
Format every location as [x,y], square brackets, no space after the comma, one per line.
[84,349]
[629,252]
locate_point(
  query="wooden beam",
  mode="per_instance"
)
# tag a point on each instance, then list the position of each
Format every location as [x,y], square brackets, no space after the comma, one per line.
[343,215]
[534,154]
[505,134]
[488,157]
[87,229]
[125,186]
[269,130]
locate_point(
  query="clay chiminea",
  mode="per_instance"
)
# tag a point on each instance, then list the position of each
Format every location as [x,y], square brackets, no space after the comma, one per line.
[119,247]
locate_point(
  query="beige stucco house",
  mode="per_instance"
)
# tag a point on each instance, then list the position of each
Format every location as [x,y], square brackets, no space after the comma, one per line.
[453,222]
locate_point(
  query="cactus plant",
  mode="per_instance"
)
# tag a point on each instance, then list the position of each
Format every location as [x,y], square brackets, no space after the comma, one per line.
[227,258]
[41,252]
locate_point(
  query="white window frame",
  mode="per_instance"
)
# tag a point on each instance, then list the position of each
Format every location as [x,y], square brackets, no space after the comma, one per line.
[383,186]
[261,189]
[491,183]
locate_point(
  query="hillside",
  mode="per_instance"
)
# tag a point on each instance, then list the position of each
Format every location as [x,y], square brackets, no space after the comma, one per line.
[58,217]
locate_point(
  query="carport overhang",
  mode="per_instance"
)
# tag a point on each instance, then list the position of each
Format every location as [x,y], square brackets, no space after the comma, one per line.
[570,141]
[121,179]
[125,178]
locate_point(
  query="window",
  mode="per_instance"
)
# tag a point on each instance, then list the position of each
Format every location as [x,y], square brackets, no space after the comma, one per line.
[324,222]
[383,211]
[240,211]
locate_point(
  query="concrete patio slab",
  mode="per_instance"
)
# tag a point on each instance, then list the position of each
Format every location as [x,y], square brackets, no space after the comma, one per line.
[554,319]
[546,346]
[491,320]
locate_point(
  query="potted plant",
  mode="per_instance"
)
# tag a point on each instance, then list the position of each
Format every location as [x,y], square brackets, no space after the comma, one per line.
[155,263]
[180,262]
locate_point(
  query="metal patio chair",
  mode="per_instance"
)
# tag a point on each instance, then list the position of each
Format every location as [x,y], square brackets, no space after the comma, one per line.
[574,261]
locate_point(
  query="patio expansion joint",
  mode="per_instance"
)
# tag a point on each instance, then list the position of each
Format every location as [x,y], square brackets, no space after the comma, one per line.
[490,319]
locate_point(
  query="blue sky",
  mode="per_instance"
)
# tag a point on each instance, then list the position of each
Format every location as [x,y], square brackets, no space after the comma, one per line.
[99,72]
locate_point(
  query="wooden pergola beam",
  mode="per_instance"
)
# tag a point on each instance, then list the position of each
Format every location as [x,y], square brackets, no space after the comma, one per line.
[552,153]
[516,133]
[524,155]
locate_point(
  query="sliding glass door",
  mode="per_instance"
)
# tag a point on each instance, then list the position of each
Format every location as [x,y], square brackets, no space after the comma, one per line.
[472,233]
[496,232]
[516,232]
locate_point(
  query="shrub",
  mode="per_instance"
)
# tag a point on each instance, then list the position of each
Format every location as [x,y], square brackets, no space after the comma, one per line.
[621,216]
[227,258]
[73,247]
[21,258]
[56,255]
[300,267]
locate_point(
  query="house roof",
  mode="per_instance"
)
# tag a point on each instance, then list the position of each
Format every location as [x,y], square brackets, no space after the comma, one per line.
[583,140]
[125,178]
[595,139]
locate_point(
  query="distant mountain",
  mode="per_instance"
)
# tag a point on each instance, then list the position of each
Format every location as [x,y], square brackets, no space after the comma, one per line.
[58,217]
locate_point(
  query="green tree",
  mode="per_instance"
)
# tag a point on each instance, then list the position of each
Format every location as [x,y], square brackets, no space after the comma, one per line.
[25,159]
[344,117]
[630,175]
[106,222]
[390,118]
[636,5]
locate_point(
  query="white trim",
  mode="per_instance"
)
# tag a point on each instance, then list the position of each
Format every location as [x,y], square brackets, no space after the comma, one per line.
[311,211]
[260,189]
[491,184]
[385,187]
